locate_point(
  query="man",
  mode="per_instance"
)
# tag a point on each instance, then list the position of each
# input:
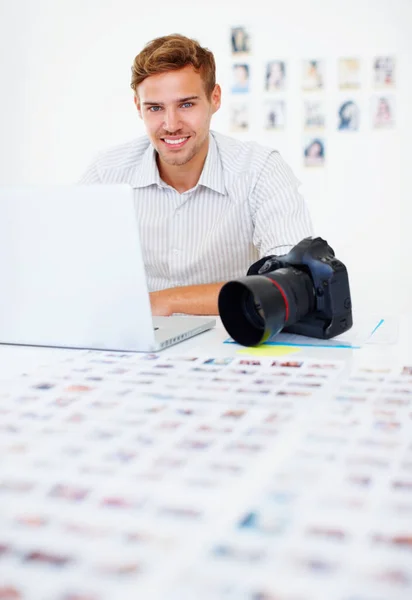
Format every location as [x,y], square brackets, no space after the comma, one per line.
[208,206]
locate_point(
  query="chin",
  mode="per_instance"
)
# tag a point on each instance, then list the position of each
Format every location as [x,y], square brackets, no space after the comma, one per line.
[175,161]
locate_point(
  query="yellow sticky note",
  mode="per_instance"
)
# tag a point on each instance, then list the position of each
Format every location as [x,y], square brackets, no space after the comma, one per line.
[268,350]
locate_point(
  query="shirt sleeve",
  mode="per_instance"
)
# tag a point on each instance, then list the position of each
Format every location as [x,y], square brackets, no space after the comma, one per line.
[280,215]
[91,175]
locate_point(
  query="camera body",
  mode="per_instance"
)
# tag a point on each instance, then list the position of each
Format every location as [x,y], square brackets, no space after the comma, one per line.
[332,306]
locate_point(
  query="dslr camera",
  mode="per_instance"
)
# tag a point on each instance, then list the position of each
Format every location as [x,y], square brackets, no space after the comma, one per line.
[305,291]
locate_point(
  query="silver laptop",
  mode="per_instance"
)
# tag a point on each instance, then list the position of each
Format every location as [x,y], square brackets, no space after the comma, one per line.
[72,272]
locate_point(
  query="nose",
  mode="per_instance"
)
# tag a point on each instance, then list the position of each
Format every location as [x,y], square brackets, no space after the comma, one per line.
[172,121]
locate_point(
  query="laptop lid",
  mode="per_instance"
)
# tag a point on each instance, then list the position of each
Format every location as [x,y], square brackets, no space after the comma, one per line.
[71,268]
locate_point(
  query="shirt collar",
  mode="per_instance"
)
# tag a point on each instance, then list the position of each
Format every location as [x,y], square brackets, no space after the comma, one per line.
[147,172]
[211,175]
[212,172]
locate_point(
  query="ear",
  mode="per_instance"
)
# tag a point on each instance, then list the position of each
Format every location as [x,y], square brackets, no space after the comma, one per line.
[216,97]
[137,103]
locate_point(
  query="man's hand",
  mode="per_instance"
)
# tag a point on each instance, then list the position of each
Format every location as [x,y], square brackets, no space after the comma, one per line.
[190,300]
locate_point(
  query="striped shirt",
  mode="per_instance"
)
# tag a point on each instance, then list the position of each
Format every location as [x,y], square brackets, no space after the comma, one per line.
[245,205]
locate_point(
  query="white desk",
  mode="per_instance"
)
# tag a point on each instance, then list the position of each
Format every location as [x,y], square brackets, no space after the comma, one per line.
[17,359]
[269,525]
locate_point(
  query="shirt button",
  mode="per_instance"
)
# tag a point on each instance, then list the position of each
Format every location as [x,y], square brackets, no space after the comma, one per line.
[175,251]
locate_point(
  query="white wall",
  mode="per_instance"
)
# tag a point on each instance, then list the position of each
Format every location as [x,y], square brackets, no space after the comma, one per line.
[65,96]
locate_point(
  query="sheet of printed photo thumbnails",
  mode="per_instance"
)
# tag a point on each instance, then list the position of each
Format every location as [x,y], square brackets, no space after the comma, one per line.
[142,476]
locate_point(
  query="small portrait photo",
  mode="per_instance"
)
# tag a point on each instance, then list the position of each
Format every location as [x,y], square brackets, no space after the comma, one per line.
[119,502]
[32,520]
[267,522]
[313,75]
[205,370]
[314,153]
[194,444]
[251,390]
[244,447]
[119,569]
[275,77]
[348,116]
[74,595]
[250,362]
[218,361]
[239,117]
[79,388]
[314,114]
[349,73]
[233,414]
[72,493]
[383,370]
[150,356]
[240,40]
[180,512]
[383,112]
[44,386]
[240,78]
[243,371]
[224,467]
[384,71]
[292,393]
[47,558]
[16,486]
[308,384]
[327,366]
[311,375]
[294,364]
[242,555]
[274,114]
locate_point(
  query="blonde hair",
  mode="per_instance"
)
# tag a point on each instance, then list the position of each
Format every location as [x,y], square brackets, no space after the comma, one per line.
[170,53]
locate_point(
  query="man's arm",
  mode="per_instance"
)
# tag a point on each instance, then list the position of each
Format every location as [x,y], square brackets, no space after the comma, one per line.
[280,215]
[91,175]
[190,299]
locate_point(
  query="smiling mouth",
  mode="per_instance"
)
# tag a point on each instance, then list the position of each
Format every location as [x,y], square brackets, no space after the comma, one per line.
[175,142]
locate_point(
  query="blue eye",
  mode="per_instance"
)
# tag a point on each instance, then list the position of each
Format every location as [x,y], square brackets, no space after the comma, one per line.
[187,104]
[154,108]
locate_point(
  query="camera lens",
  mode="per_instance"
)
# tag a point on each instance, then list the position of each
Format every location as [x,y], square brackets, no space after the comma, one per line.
[253,309]
[257,307]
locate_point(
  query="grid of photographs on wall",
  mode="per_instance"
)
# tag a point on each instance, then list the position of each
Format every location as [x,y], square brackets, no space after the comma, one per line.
[348,110]
[240,79]
[357,79]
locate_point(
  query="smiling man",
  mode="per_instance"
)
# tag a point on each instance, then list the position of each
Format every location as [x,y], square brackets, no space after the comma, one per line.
[208,205]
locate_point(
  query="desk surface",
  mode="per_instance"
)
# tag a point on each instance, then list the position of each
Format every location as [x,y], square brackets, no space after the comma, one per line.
[224,477]
[16,359]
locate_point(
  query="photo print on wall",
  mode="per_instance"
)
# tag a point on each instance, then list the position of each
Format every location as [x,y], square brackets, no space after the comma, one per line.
[275,76]
[240,40]
[349,73]
[240,78]
[314,114]
[274,114]
[384,75]
[313,75]
[314,152]
[239,117]
[383,112]
[348,116]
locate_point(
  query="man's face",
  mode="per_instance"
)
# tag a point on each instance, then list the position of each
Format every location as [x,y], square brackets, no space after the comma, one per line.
[177,113]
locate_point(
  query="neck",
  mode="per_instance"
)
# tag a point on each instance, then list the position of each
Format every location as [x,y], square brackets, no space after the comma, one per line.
[184,177]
